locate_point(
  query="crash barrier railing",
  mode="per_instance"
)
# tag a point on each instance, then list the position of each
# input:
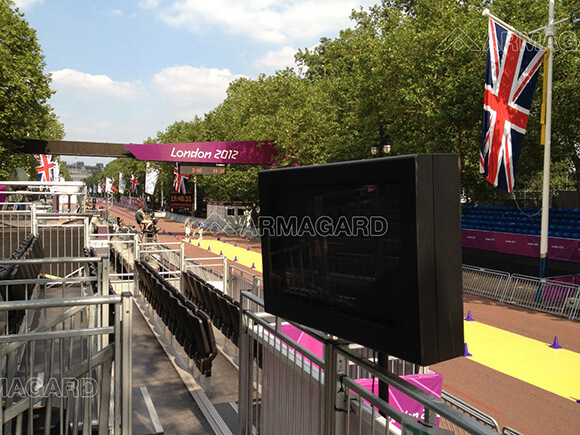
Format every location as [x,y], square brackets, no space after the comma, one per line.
[66,196]
[240,279]
[284,385]
[121,249]
[166,258]
[187,323]
[548,295]
[467,409]
[58,367]
[210,269]
[62,235]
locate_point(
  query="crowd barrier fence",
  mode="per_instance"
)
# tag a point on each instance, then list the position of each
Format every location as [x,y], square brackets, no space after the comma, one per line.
[548,295]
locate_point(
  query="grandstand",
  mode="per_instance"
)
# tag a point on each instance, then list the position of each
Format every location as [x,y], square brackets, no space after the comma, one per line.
[508,239]
[564,223]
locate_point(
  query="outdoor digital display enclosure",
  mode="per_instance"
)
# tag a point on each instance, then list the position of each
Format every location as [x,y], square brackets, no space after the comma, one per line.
[369,251]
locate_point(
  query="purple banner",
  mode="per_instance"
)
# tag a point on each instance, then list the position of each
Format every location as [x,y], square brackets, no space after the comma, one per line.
[2,195]
[242,152]
[521,244]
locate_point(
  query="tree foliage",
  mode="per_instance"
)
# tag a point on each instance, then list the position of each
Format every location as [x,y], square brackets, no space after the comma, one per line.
[24,90]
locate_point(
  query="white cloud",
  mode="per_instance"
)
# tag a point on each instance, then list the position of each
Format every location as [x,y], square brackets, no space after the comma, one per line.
[97,108]
[120,13]
[276,60]
[192,90]
[26,4]
[274,21]
[87,85]
[149,4]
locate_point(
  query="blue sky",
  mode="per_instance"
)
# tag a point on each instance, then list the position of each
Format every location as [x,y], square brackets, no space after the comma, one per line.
[124,70]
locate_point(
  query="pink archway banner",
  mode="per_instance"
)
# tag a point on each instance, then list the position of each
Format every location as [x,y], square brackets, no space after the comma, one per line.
[241,152]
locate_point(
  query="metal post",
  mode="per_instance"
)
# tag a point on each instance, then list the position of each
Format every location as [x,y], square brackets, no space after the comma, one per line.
[181,266]
[195,196]
[383,361]
[33,220]
[550,31]
[225,275]
[126,363]
[86,223]
[330,371]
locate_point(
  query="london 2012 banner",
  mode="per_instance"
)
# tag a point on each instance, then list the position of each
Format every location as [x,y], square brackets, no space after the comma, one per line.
[241,152]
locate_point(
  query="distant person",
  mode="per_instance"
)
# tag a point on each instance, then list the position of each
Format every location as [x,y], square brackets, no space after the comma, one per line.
[94,223]
[142,221]
[188,229]
[200,230]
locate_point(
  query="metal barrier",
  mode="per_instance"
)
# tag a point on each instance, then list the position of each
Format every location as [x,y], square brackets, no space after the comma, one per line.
[15,226]
[485,282]
[61,235]
[284,385]
[467,409]
[240,279]
[210,269]
[168,257]
[547,295]
[121,249]
[67,367]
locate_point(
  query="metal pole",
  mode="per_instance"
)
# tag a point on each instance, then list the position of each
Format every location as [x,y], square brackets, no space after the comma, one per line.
[126,363]
[195,195]
[330,381]
[550,31]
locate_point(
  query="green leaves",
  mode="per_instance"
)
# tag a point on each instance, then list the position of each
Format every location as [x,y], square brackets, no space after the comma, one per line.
[24,89]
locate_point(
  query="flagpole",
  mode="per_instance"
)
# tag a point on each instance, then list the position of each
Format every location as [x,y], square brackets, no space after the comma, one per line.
[487,13]
[549,31]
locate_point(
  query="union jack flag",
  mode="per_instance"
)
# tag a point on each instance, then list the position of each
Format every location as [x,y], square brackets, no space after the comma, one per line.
[179,180]
[46,167]
[134,183]
[513,65]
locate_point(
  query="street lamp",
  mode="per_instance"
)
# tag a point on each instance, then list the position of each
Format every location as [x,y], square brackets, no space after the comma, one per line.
[386,148]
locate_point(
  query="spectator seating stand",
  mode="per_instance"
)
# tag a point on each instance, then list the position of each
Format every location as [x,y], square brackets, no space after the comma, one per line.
[190,326]
[564,223]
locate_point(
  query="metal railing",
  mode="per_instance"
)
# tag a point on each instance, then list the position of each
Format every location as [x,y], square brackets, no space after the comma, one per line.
[67,365]
[209,269]
[61,235]
[485,282]
[284,385]
[121,248]
[240,279]
[467,409]
[547,295]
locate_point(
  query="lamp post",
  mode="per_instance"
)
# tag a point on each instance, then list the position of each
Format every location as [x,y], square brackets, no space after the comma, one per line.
[385,149]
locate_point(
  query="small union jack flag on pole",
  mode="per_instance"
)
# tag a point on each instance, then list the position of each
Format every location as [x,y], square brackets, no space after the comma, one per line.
[179,180]
[513,64]
[134,183]
[46,168]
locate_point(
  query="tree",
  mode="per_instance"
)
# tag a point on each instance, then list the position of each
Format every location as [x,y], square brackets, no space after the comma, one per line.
[24,90]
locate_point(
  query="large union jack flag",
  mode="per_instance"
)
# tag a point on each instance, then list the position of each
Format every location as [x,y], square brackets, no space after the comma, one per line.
[179,180]
[513,65]
[45,168]
[134,183]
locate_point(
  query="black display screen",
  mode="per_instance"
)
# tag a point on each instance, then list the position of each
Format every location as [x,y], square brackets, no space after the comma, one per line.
[349,250]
